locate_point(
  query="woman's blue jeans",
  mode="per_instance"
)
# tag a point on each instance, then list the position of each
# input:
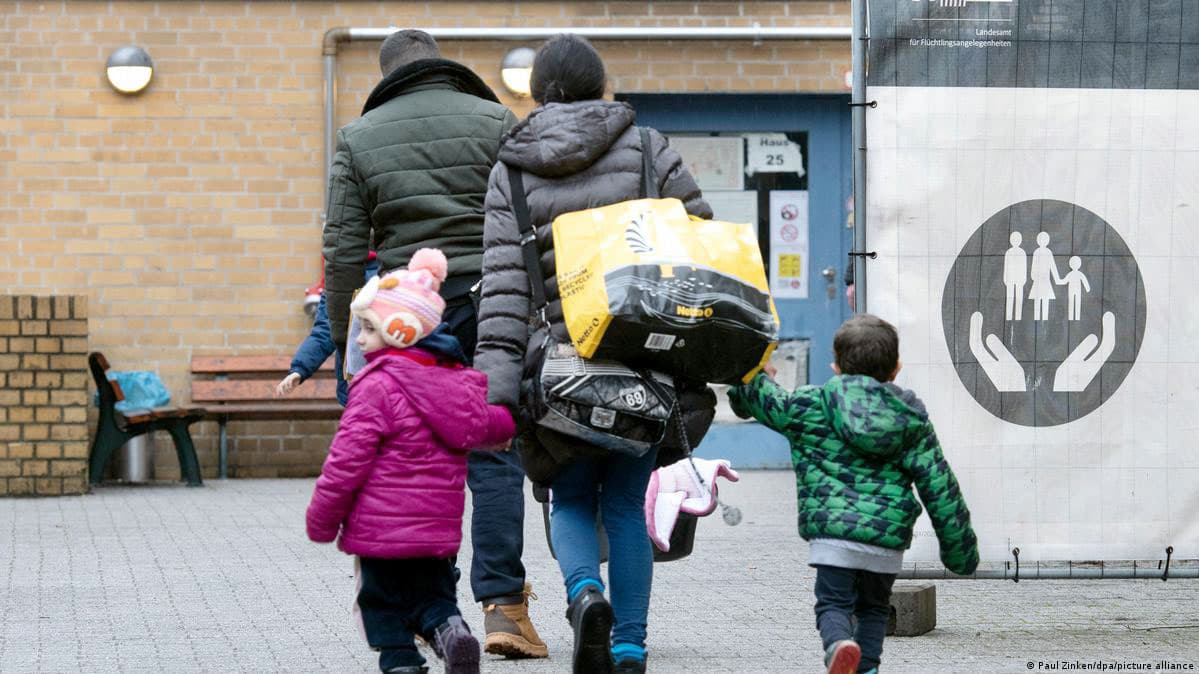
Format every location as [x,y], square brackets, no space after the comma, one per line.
[614,487]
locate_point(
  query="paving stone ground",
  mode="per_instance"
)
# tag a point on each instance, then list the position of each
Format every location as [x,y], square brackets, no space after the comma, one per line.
[222,579]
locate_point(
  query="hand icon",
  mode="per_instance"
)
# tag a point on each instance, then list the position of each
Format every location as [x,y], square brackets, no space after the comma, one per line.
[1078,371]
[1002,369]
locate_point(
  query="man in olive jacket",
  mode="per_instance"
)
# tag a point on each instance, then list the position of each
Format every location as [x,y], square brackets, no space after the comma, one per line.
[411,173]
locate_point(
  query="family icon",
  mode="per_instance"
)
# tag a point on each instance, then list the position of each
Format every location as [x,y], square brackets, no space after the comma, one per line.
[1044,275]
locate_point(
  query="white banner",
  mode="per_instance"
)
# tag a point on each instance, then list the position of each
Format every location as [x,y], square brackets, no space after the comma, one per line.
[1037,235]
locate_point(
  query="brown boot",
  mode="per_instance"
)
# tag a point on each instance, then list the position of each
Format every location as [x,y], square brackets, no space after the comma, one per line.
[510,633]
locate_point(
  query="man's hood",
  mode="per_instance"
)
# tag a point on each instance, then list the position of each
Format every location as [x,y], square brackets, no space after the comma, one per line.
[876,419]
[561,139]
[404,78]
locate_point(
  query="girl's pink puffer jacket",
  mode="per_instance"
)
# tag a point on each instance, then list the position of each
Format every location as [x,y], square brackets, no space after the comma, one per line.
[394,480]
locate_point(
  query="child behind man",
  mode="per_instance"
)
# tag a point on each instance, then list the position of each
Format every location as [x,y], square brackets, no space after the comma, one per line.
[858,444]
[394,481]
[318,346]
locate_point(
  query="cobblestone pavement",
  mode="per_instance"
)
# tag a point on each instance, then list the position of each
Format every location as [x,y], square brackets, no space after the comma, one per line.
[221,578]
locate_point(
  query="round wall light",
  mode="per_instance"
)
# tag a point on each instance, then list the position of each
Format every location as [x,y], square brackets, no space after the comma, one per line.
[130,69]
[516,69]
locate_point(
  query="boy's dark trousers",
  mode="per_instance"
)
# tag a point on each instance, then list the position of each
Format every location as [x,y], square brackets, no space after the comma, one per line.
[845,594]
[399,598]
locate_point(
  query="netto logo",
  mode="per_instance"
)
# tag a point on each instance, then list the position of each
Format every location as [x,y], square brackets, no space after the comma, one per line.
[693,312]
[595,323]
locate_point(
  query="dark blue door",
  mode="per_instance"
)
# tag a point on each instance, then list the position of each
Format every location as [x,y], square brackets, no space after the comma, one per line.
[822,125]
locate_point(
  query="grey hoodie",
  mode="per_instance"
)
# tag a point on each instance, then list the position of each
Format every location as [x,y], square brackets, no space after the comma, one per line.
[574,156]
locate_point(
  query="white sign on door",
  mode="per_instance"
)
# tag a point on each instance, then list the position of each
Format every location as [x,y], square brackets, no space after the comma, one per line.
[789,256]
[773,153]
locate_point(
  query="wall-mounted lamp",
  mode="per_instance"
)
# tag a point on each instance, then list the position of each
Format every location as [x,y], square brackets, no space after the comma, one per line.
[129,69]
[515,70]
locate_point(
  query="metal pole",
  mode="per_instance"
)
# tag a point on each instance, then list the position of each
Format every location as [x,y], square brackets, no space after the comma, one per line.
[753,33]
[223,450]
[1035,571]
[330,104]
[858,50]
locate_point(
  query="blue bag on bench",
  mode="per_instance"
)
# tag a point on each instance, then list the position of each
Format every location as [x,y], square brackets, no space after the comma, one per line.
[142,389]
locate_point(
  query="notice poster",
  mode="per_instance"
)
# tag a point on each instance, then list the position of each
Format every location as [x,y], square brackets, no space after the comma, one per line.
[789,244]
[1033,170]
[716,162]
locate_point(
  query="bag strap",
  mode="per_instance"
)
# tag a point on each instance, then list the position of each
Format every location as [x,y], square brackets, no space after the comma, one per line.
[524,221]
[676,413]
[528,239]
[649,181]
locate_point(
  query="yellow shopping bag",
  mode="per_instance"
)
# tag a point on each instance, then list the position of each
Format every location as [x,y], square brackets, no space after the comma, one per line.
[644,283]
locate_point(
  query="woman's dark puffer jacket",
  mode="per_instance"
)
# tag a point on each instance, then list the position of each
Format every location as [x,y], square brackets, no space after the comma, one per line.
[574,156]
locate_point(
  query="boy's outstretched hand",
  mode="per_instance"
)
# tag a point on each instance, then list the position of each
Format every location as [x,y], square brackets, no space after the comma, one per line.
[289,384]
[770,370]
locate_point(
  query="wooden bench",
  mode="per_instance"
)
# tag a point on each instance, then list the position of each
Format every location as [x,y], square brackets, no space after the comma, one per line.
[116,428]
[243,387]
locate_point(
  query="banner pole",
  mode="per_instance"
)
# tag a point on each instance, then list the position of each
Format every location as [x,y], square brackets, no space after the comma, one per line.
[858,108]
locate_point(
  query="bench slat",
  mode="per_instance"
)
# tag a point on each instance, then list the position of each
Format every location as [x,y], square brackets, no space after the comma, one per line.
[243,364]
[168,412]
[285,411]
[261,390]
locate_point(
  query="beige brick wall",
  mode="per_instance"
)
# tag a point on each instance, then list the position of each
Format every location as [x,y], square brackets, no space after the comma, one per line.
[189,214]
[43,395]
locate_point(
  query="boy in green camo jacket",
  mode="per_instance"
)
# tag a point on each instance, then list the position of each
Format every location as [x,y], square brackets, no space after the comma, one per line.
[858,444]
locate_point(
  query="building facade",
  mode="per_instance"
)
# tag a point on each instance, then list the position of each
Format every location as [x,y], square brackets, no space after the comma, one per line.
[189,215]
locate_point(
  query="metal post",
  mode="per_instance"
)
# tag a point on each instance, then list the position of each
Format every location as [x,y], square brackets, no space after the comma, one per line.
[859,42]
[330,102]
[1056,571]
[223,467]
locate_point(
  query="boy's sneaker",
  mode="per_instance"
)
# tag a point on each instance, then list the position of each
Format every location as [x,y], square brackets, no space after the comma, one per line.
[454,644]
[630,666]
[591,617]
[410,669]
[843,657]
[509,631]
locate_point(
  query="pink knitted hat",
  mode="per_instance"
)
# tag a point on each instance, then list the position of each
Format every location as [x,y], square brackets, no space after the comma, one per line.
[404,306]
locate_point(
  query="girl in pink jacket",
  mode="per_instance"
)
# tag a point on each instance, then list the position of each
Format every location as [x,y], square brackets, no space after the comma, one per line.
[393,484]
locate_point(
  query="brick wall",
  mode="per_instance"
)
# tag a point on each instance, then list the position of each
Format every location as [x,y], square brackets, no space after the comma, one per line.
[189,215]
[43,395]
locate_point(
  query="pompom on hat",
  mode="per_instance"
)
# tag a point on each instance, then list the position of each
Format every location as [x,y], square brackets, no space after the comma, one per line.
[404,306]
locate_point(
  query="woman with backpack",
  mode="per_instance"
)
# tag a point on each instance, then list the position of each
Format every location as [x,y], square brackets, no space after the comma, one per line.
[575,151]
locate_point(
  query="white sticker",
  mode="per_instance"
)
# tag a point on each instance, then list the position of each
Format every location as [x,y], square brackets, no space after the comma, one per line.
[659,342]
[634,397]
